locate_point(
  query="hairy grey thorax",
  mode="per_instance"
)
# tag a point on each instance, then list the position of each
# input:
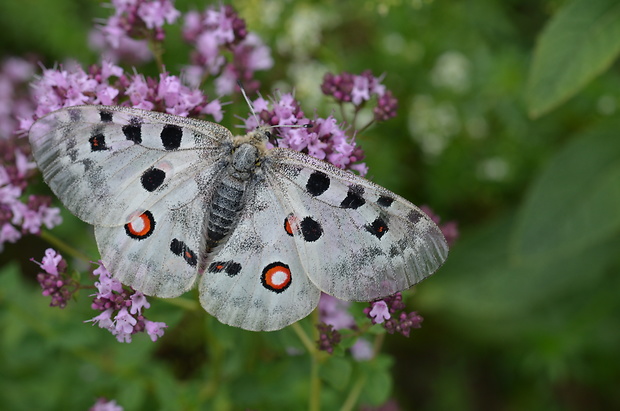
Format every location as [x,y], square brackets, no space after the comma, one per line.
[229,195]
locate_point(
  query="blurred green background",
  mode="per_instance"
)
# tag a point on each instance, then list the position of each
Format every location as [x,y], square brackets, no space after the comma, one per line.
[508,124]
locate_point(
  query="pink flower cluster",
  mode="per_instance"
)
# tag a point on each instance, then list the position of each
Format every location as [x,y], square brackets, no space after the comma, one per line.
[18,215]
[103,404]
[15,101]
[358,89]
[121,309]
[325,139]
[54,281]
[334,316]
[215,31]
[391,313]
[108,84]
[123,34]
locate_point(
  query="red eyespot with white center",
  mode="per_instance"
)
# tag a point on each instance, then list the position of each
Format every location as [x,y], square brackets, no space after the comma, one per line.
[140,226]
[276,277]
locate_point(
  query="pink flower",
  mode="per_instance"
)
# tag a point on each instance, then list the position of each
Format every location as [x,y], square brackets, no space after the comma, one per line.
[112,297]
[54,283]
[333,311]
[214,108]
[154,330]
[362,350]
[379,312]
[156,13]
[325,140]
[219,29]
[104,405]
[50,262]
[138,301]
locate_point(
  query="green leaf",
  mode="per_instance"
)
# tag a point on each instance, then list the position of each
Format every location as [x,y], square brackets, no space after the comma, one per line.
[489,295]
[580,42]
[575,202]
[336,371]
[378,385]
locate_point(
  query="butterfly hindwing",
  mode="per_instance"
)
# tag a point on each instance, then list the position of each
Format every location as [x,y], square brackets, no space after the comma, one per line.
[356,240]
[256,280]
[97,158]
[159,250]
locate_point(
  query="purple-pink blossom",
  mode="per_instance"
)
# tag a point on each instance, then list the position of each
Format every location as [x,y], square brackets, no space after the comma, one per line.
[125,33]
[362,350]
[335,312]
[108,84]
[379,312]
[325,139]
[103,404]
[54,281]
[121,309]
[390,312]
[359,89]
[223,48]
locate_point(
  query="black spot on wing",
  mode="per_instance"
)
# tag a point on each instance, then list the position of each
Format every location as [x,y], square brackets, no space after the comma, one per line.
[231,268]
[106,116]
[311,229]
[152,179]
[385,201]
[317,183]
[97,142]
[354,197]
[182,250]
[171,136]
[378,228]
[133,132]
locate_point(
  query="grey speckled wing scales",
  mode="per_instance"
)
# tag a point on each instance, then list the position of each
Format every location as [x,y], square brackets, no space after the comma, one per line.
[256,281]
[101,161]
[356,240]
[143,179]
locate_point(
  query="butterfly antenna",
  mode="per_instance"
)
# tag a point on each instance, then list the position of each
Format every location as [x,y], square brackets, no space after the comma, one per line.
[247,100]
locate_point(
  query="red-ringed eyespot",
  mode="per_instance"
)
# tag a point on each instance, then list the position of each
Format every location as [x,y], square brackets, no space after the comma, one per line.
[141,226]
[276,277]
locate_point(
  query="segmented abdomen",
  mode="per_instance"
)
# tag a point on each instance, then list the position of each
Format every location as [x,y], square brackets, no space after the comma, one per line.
[226,203]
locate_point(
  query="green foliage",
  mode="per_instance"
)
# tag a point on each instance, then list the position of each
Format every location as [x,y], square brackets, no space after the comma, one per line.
[524,313]
[581,41]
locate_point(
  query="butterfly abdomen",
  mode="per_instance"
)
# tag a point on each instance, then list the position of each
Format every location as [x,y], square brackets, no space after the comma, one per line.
[228,197]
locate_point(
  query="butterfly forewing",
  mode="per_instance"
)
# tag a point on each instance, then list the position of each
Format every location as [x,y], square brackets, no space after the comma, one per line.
[356,240]
[98,158]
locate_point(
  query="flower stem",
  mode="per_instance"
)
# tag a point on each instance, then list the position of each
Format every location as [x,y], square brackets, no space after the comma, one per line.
[65,248]
[158,51]
[314,397]
[305,340]
[354,394]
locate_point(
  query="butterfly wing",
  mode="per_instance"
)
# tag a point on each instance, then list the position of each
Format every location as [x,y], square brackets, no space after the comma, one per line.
[256,280]
[100,160]
[356,240]
[143,179]
[159,250]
